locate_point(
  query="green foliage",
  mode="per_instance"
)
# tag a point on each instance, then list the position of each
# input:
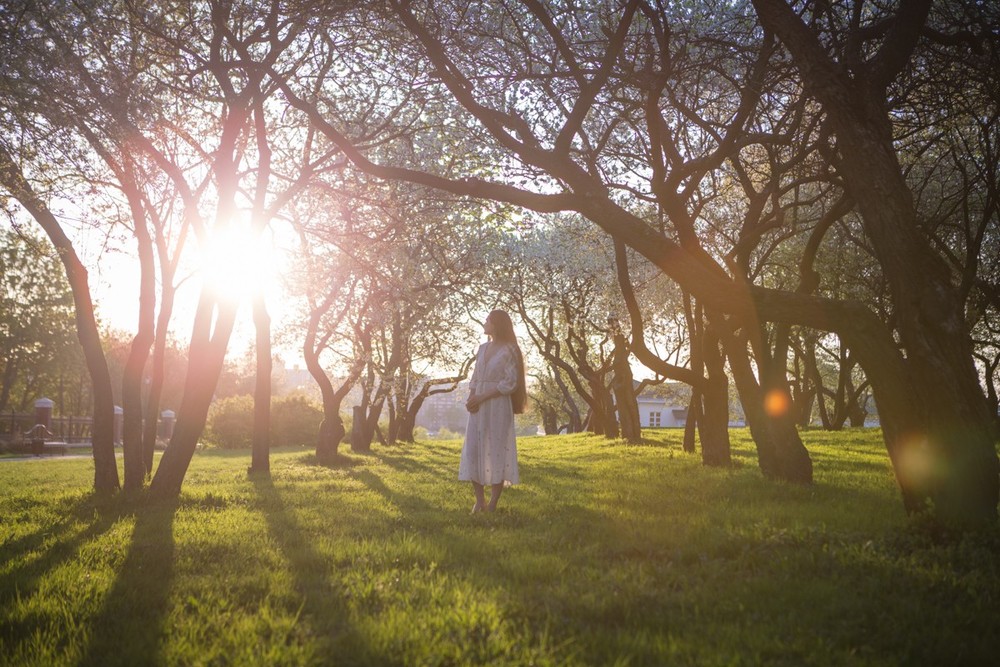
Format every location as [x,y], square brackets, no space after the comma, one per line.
[606,554]
[295,420]
[230,422]
[39,352]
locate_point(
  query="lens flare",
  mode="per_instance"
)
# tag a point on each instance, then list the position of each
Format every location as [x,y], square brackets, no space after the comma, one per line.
[915,459]
[777,402]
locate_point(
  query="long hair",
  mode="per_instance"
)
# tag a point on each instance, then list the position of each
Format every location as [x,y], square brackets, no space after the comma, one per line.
[503,331]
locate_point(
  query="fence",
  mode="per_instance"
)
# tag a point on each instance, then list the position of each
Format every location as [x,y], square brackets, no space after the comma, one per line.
[14,425]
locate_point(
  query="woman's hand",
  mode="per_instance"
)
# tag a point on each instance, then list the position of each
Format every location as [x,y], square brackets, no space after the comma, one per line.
[474,401]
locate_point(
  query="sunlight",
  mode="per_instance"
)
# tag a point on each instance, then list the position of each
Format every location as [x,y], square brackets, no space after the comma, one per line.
[235,264]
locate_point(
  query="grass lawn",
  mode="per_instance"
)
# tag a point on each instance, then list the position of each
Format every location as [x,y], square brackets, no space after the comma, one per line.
[606,554]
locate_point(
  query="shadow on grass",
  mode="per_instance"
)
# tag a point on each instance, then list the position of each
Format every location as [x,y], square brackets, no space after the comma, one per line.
[130,627]
[340,461]
[322,603]
[404,463]
[23,580]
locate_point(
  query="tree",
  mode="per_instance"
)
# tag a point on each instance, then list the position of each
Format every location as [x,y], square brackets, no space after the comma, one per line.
[945,402]
[38,346]
[556,103]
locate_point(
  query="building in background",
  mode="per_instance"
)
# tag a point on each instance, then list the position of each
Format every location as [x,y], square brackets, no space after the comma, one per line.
[664,405]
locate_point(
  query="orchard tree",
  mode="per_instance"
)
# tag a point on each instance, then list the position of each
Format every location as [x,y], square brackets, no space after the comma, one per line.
[597,105]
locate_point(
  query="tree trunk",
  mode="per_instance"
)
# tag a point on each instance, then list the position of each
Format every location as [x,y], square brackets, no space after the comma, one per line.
[132,413]
[601,419]
[628,407]
[713,425]
[694,317]
[407,425]
[331,430]
[135,366]
[156,373]
[813,374]
[550,420]
[392,428]
[365,425]
[780,451]
[260,461]
[575,420]
[804,391]
[206,356]
[693,422]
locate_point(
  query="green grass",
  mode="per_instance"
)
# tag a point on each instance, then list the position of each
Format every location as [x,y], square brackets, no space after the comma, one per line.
[606,554]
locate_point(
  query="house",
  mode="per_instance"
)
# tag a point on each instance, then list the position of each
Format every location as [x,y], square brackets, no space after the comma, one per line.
[655,413]
[663,406]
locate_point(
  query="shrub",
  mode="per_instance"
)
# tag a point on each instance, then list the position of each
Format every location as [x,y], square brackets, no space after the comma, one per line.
[230,422]
[295,420]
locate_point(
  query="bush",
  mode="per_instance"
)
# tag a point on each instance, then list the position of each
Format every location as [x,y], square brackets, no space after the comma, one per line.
[295,420]
[230,422]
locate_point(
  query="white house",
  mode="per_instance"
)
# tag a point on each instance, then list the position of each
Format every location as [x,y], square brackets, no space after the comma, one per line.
[655,412]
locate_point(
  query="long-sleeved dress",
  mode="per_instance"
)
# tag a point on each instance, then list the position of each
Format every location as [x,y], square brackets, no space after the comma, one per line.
[489,454]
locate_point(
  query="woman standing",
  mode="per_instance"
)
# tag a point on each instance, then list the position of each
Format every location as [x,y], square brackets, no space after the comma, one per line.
[489,454]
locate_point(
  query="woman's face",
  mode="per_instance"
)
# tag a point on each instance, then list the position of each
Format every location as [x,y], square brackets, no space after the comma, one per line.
[488,326]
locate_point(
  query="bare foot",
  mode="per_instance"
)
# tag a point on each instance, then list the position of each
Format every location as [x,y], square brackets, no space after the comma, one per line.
[476,509]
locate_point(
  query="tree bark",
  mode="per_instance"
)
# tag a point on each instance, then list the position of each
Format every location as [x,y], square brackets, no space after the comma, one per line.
[695,325]
[260,461]
[575,424]
[206,356]
[713,424]
[156,372]
[628,407]
[135,366]
[780,451]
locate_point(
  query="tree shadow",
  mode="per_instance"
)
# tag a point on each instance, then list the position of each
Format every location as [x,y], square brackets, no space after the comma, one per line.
[130,628]
[339,462]
[321,601]
[23,580]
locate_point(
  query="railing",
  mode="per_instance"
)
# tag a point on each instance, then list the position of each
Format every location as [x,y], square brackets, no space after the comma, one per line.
[14,425]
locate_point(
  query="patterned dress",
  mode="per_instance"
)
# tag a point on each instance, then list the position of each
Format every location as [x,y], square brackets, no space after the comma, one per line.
[489,454]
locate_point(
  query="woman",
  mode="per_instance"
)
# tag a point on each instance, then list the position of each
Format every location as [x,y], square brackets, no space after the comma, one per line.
[489,454]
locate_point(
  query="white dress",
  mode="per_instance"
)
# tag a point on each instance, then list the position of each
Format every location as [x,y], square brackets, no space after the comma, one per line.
[489,454]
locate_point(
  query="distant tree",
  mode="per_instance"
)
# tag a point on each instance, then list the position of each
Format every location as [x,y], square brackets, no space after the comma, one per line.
[38,346]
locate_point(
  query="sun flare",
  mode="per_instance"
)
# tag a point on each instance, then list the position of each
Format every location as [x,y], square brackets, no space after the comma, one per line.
[235,264]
